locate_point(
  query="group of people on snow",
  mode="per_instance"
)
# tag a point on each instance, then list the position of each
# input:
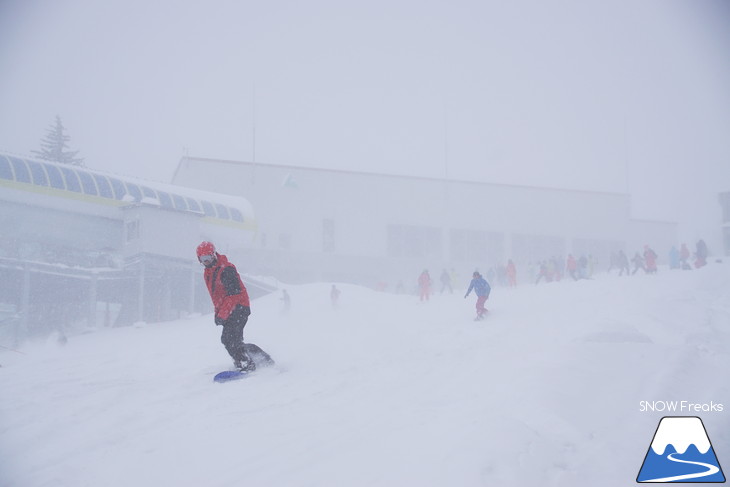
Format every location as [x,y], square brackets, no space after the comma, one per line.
[232,304]
[478,284]
[647,260]
[505,275]
[554,269]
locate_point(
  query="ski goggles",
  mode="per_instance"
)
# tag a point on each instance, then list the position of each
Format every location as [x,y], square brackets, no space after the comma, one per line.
[206,259]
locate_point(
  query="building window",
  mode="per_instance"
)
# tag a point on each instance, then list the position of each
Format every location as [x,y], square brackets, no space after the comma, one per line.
[5,171]
[179,202]
[134,191]
[236,215]
[193,205]
[105,189]
[87,183]
[119,189]
[72,180]
[39,175]
[165,200]
[328,235]
[534,248]
[477,246]
[21,171]
[208,209]
[414,241]
[54,176]
[222,212]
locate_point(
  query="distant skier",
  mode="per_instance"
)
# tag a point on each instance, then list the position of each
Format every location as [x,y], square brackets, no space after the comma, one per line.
[638,261]
[424,285]
[446,282]
[286,302]
[400,288]
[684,256]
[572,267]
[334,296]
[583,267]
[501,275]
[701,254]
[673,258]
[591,268]
[543,273]
[453,276]
[623,263]
[511,273]
[650,260]
[232,307]
[612,261]
[481,289]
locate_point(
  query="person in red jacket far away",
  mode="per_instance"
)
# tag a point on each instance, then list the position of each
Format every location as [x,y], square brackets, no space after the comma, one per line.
[232,307]
[424,285]
[650,260]
[511,273]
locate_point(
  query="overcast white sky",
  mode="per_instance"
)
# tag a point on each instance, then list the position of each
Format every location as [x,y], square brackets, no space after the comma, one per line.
[581,94]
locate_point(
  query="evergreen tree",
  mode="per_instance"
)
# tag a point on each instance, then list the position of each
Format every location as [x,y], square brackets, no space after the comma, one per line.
[54,143]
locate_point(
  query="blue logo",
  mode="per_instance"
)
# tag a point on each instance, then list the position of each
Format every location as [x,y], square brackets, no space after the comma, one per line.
[681,452]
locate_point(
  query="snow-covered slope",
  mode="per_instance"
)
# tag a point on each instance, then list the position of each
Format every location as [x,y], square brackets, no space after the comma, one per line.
[383,391]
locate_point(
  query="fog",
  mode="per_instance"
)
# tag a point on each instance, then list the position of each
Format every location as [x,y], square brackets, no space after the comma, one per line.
[622,108]
[609,96]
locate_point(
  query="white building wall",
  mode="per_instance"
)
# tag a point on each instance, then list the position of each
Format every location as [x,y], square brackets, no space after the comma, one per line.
[391,227]
[294,202]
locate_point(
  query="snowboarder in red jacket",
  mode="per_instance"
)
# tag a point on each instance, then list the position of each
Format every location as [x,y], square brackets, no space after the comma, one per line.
[232,307]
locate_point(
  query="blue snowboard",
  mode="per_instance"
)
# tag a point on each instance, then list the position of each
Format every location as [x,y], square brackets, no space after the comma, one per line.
[229,375]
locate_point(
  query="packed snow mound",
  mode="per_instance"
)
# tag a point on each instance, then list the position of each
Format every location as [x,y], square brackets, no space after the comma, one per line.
[378,389]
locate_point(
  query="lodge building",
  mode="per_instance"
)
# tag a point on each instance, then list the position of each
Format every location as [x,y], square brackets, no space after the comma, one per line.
[333,225]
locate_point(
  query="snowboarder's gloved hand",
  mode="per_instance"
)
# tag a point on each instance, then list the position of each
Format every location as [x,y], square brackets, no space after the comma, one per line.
[219,321]
[465,296]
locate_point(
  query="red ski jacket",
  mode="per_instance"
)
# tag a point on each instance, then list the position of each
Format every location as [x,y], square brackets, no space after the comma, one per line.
[225,287]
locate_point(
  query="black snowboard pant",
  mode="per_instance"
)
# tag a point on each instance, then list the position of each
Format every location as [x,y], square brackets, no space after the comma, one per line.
[246,355]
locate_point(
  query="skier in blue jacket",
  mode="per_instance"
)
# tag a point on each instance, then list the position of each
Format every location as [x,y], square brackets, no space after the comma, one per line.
[481,289]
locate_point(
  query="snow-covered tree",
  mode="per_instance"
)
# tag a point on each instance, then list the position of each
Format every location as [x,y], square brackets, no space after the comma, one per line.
[54,143]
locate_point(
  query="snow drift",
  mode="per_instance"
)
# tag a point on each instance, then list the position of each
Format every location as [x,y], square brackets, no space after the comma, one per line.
[382,391]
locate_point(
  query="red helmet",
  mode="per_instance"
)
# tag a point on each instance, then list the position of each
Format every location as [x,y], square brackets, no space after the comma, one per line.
[205,248]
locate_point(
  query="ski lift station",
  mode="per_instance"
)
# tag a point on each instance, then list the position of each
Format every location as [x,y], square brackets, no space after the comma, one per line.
[84,246]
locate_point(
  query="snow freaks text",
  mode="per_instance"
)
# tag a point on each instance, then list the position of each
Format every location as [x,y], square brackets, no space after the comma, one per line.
[680,407]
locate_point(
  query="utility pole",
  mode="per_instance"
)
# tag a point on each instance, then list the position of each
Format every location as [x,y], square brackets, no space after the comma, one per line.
[253,134]
[253,131]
